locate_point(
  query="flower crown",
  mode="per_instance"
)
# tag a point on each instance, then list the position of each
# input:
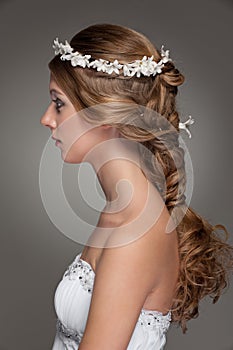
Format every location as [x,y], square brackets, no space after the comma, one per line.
[146,66]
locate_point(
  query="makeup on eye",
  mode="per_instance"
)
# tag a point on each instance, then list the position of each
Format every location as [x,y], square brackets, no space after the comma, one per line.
[58,103]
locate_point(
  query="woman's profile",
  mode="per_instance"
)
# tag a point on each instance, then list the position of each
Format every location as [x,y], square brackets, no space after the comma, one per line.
[151,258]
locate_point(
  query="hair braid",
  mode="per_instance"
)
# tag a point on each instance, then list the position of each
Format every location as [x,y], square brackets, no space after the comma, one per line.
[205,257]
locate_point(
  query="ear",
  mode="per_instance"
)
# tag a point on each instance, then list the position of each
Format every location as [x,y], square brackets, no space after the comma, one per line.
[112,130]
[105,127]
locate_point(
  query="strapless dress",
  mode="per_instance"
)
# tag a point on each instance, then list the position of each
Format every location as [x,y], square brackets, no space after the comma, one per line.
[72,302]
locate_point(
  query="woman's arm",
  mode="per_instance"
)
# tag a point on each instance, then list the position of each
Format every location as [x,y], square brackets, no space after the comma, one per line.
[124,277]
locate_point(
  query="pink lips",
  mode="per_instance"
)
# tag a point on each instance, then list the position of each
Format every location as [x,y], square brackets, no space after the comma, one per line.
[58,142]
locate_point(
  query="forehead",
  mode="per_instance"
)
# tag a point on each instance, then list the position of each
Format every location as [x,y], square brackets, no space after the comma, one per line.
[54,88]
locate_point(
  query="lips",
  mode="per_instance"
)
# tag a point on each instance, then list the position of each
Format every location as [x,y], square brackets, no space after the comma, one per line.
[56,139]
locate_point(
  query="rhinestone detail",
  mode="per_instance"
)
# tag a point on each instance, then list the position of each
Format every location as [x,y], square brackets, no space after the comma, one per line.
[150,319]
[68,333]
[155,319]
[82,270]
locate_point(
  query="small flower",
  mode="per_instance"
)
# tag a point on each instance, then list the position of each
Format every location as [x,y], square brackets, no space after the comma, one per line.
[62,48]
[165,55]
[67,48]
[99,64]
[146,66]
[150,65]
[113,67]
[56,46]
[79,60]
[66,57]
[158,68]
[136,67]
[185,125]
[126,70]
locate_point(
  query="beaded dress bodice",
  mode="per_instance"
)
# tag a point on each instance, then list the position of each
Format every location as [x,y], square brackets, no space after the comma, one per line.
[72,302]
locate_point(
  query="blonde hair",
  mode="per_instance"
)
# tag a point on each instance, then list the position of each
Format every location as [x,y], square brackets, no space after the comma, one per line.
[205,257]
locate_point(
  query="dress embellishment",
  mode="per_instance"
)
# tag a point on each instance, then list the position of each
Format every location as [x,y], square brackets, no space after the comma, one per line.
[155,319]
[81,269]
[150,319]
[68,333]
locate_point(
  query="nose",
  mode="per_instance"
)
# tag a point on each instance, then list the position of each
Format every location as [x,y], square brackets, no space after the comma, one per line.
[48,119]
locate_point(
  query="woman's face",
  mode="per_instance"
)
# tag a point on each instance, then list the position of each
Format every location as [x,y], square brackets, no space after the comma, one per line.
[76,137]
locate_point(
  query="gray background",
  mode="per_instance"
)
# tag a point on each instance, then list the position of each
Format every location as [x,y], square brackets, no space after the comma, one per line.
[34,253]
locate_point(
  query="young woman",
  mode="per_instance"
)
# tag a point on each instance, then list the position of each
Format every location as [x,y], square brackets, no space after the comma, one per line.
[151,258]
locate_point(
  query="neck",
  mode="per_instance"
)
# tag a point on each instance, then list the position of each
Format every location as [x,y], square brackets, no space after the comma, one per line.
[119,172]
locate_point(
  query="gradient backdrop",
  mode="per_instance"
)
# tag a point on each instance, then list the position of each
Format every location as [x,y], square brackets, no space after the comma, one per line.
[34,253]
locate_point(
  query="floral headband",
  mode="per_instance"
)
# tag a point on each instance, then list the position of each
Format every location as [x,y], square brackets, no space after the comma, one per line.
[146,66]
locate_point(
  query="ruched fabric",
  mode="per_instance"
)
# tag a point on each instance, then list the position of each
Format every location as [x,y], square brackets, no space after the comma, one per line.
[72,302]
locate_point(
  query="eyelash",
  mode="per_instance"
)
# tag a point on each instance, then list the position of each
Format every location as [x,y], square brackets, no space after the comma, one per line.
[58,107]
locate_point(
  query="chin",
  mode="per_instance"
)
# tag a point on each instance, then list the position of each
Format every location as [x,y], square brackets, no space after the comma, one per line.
[72,161]
[69,158]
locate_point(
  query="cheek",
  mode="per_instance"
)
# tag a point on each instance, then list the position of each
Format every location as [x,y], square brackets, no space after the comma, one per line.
[79,138]
[73,128]
[81,149]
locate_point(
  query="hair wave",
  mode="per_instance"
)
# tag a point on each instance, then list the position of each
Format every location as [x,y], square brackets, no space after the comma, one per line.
[205,256]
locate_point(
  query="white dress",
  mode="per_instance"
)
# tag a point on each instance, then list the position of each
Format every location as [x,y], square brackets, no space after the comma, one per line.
[72,301]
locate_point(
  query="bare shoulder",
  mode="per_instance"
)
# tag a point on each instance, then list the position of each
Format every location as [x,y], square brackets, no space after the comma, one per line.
[140,240]
[130,266]
[146,220]
[138,237]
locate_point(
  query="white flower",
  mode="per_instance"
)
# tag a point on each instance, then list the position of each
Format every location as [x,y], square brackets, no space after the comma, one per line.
[127,70]
[62,48]
[135,67]
[66,47]
[184,125]
[158,68]
[56,46]
[79,60]
[146,66]
[149,66]
[113,67]
[99,64]
[165,55]
[66,57]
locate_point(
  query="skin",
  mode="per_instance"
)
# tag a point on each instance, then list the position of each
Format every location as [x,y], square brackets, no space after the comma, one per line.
[102,147]
[146,266]
[80,138]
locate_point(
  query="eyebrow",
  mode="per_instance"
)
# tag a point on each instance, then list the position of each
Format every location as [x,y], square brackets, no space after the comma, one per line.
[54,90]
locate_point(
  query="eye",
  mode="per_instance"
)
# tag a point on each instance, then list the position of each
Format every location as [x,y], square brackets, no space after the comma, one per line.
[58,103]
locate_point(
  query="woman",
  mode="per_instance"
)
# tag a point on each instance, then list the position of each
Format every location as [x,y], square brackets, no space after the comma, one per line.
[151,258]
